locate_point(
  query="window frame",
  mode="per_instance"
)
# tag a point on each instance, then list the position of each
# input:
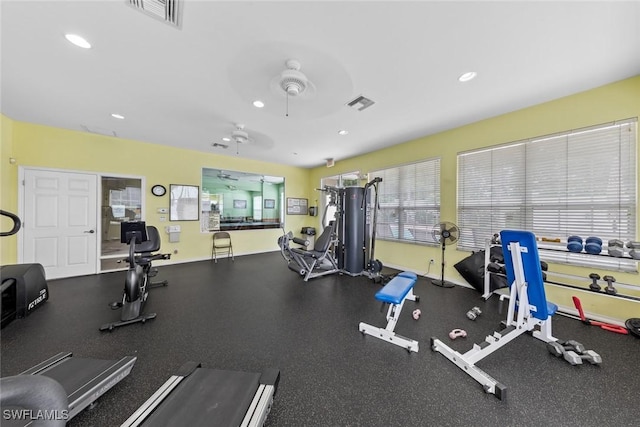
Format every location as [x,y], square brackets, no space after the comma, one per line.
[415,217]
[529,176]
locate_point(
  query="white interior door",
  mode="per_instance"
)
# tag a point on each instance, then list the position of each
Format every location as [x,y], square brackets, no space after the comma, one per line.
[60,222]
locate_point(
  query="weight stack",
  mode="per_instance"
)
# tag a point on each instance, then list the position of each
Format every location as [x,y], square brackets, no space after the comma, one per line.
[353,238]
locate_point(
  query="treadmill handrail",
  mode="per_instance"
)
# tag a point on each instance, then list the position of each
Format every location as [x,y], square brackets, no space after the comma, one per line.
[153,402]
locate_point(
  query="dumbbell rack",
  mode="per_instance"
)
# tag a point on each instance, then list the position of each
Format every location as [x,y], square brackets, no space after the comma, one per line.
[487,274]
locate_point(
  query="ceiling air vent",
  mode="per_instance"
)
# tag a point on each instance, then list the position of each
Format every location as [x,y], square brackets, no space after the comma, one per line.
[360,103]
[165,10]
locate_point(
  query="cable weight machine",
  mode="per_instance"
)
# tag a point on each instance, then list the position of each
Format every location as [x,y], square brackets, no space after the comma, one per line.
[356,214]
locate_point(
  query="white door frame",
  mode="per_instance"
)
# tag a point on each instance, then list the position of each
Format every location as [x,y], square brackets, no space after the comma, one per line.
[98,175]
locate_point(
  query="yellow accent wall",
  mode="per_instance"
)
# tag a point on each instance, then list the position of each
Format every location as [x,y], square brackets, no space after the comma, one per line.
[8,184]
[608,103]
[35,145]
[47,147]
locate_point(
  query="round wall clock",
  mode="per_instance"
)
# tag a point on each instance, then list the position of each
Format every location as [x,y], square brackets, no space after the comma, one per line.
[158,190]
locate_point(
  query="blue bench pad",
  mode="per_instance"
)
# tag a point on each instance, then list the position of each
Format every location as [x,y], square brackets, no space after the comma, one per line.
[395,291]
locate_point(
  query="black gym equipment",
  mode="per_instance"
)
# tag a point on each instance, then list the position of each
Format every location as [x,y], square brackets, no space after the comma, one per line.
[143,241]
[374,266]
[594,286]
[81,380]
[610,289]
[350,236]
[319,261]
[24,286]
[633,325]
[196,396]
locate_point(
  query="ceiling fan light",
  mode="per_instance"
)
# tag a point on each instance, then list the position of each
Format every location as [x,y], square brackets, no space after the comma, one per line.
[292,80]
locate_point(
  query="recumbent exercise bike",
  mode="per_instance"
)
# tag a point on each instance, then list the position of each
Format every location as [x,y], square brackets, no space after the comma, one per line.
[143,241]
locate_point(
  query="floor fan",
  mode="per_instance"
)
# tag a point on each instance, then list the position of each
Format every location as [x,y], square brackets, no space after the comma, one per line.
[445,233]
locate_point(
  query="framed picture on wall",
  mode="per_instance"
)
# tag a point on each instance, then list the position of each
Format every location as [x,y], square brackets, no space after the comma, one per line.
[240,204]
[296,206]
[269,203]
[185,202]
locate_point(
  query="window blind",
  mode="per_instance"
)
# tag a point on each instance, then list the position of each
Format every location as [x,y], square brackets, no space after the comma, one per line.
[581,182]
[409,200]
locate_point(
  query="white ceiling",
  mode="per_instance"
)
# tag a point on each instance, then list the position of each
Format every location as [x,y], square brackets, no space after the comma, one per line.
[187,87]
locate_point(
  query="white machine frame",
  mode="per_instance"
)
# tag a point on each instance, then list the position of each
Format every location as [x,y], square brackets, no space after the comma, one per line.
[387,333]
[517,323]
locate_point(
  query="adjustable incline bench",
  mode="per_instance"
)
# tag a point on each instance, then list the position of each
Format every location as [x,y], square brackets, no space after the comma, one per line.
[528,309]
[394,293]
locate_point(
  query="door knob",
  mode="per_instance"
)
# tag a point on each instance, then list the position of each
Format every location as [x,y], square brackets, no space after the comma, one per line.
[90,231]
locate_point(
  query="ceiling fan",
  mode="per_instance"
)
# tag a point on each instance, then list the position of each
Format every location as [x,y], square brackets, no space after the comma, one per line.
[238,135]
[223,175]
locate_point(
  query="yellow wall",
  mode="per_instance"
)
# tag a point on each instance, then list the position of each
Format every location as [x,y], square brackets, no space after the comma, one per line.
[47,147]
[8,184]
[42,146]
[616,101]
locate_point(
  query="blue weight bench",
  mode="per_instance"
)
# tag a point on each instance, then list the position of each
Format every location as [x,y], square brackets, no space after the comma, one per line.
[394,293]
[529,310]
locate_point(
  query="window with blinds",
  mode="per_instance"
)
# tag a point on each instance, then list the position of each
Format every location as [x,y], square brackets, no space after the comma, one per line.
[409,200]
[581,182]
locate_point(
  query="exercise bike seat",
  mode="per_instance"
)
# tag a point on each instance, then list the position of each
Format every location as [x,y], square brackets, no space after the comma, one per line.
[146,248]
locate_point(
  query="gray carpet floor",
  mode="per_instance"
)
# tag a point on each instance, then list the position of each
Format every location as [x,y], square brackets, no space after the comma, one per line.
[255,313]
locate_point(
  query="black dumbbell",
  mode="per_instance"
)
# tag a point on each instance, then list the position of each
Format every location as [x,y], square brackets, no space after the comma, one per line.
[610,289]
[594,285]
[496,268]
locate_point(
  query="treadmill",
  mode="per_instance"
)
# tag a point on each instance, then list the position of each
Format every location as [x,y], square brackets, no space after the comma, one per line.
[83,379]
[197,396]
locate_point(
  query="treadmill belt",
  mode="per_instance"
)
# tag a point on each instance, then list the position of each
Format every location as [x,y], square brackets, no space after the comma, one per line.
[207,397]
[75,372]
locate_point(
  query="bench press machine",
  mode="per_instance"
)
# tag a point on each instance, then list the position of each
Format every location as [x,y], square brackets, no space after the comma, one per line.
[529,310]
[394,293]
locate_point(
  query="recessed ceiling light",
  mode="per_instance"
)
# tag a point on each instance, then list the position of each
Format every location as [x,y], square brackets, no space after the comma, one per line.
[226,139]
[258,104]
[117,116]
[467,76]
[78,41]
[343,132]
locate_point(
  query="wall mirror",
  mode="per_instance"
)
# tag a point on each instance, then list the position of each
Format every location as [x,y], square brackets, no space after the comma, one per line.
[184,202]
[234,200]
